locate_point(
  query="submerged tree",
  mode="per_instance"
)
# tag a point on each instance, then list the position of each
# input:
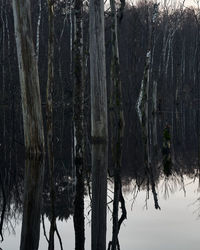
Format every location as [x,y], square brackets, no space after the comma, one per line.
[99,123]
[33,125]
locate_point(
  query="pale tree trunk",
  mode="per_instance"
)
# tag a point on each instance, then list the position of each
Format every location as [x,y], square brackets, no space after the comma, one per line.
[78,119]
[49,115]
[38,30]
[143,100]
[29,81]
[33,125]
[143,105]
[99,124]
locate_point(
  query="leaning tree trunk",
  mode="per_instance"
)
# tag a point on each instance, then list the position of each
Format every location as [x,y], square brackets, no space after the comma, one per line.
[33,125]
[99,124]
[78,116]
[49,116]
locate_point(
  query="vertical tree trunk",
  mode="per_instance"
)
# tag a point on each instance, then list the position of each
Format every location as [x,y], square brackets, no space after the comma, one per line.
[3,43]
[29,81]
[117,123]
[49,115]
[78,102]
[154,97]
[143,106]
[99,124]
[33,125]
[38,31]
[30,233]
[4,201]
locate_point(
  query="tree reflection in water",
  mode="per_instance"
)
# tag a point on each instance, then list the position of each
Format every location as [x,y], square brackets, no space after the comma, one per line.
[156,185]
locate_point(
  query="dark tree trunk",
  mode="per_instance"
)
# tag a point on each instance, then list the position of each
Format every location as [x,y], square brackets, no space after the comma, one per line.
[49,117]
[99,124]
[78,119]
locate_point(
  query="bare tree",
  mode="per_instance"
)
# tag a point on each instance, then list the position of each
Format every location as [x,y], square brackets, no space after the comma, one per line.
[78,119]
[99,123]
[117,125]
[49,116]
[33,125]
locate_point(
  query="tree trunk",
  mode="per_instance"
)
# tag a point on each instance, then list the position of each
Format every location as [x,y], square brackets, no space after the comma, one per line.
[154,97]
[29,81]
[49,115]
[99,124]
[117,123]
[33,125]
[78,102]
[38,31]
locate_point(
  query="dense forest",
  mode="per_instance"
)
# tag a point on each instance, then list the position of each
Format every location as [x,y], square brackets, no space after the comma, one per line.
[77,109]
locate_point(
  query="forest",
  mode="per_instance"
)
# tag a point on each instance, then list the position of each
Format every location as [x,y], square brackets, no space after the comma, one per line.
[94,96]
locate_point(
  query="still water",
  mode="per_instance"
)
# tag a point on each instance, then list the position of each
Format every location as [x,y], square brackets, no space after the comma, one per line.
[176,191]
[175,226]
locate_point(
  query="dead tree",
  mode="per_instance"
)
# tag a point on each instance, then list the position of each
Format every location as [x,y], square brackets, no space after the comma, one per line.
[49,120]
[117,124]
[33,125]
[99,123]
[143,104]
[78,120]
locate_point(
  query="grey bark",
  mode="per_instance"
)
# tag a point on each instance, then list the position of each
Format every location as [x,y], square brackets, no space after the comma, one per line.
[38,31]
[33,125]
[147,92]
[29,81]
[99,124]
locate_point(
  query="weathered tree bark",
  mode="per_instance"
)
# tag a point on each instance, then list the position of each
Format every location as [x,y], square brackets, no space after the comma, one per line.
[33,125]
[78,119]
[99,124]
[38,30]
[143,105]
[29,81]
[49,116]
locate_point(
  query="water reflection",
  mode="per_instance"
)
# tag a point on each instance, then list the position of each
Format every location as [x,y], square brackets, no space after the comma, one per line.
[161,200]
[34,171]
[145,227]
